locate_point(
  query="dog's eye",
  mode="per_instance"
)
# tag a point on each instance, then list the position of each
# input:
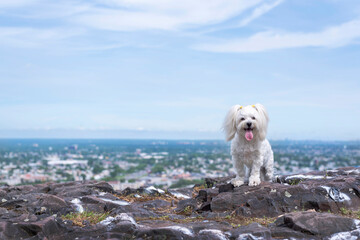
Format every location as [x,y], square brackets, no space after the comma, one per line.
[253,118]
[242,119]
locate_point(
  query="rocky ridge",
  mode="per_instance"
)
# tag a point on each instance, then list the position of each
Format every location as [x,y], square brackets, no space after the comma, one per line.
[315,205]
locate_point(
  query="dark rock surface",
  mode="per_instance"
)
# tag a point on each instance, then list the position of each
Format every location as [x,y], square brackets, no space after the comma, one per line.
[322,191]
[315,205]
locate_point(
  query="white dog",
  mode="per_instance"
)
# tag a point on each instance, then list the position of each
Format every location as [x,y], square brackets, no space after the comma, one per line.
[248,127]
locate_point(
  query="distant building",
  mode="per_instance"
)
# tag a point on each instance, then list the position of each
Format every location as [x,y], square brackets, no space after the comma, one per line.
[30,178]
[68,162]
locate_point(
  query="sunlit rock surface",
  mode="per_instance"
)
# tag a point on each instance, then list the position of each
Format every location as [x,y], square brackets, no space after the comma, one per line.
[314,205]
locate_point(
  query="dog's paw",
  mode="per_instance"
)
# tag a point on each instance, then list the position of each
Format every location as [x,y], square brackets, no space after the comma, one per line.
[254,181]
[237,182]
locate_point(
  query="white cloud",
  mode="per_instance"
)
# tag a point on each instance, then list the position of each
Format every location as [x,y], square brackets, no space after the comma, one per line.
[126,15]
[16,3]
[116,15]
[34,37]
[54,10]
[259,11]
[132,15]
[335,36]
[262,9]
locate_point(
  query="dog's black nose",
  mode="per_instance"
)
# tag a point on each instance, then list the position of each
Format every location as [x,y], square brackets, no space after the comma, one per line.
[249,124]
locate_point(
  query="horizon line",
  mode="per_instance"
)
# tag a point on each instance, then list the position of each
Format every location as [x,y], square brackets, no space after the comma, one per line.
[168,139]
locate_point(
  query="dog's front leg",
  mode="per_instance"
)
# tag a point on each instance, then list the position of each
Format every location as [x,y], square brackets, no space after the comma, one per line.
[240,170]
[254,178]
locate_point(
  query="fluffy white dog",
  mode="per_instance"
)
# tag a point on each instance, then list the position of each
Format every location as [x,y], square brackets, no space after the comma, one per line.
[247,127]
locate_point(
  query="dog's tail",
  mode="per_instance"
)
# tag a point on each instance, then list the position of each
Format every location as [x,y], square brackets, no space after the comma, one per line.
[229,125]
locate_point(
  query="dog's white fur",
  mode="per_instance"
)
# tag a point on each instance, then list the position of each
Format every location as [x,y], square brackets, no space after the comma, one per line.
[256,154]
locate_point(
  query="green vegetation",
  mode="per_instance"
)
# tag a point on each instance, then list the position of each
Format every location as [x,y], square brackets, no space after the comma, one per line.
[79,219]
[97,169]
[139,167]
[185,183]
[213,167]
[345,211]
[234,221]
[295,181]
[350,213]
[188,210]
[147,197]
[116,171]
[158,168]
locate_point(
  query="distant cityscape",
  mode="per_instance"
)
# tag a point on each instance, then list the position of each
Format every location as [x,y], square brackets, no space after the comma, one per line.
[162,163]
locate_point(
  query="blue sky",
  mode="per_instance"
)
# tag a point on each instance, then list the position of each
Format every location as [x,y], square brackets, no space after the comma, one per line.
[172,69]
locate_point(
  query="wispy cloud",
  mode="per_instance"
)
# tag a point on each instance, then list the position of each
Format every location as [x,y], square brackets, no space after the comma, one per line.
[124,15]
[16,3]
[53,10]
[335,36]
[259,11]
[34,37]
[67,18]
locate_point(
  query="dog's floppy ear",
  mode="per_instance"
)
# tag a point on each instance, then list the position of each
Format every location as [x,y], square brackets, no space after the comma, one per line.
[263,121]
[229,124]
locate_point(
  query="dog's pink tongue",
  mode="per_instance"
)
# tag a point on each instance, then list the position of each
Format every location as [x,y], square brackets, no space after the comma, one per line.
[249,135]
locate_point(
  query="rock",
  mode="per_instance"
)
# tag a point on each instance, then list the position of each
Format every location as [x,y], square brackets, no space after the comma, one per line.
[127,191]
[19,230]
[250,231]
[222,202]
[211,234]
[202,195]
[187,206]
[211,182]
[170,232]
[226,188]
[317,224]
[152,191]
[102,186]
[51,202]
[73,193]
[299,203]
[157,204]
[288,233]
[124,227]
[2,193]
[206,206]
[16,203]
[197,227]
[3,211]
[308,192]
[181,193]
[96,204]
[122,222]
[90,200]
[135,210]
